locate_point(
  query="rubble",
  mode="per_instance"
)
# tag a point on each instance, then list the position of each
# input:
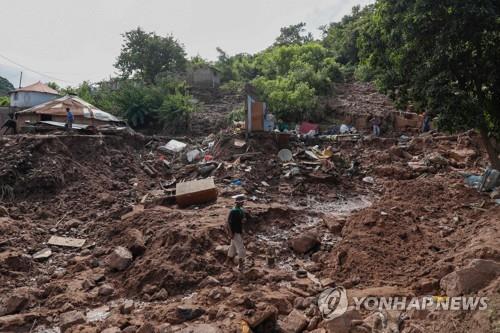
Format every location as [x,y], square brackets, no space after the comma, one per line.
[387,216]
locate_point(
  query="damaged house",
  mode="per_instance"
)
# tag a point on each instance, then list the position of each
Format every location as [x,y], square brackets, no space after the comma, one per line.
[54,113]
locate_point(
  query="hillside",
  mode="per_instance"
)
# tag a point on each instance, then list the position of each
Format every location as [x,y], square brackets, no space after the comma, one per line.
[5,86]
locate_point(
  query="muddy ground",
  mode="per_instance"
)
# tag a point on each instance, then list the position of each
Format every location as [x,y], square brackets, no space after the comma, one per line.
[412,228]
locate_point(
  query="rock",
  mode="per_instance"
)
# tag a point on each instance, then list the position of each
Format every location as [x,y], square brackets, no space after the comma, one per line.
[189,312]
[106,290]
[160,295]
[42,254]
[16,261]
[112,330]
[343,323]
[200,328]
[72,224]
[426,286]
[304,243]
[319,330]
[209,281]
[3,211]
[119,259]
[127,306]
[335,226]
[130,329]
[295,322]
[134,241]
[13,303]
[146,328]
[88,284]
[71,318]
[471,278]
[269,314]
[253,274]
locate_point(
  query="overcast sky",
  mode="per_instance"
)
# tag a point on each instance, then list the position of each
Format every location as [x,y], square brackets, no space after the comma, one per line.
[72,40]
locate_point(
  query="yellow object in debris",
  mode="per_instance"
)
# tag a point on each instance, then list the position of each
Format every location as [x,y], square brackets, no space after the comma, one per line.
[327,153]
[245,328]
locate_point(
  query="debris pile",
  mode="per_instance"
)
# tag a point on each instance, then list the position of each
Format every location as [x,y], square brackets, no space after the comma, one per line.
[101,234]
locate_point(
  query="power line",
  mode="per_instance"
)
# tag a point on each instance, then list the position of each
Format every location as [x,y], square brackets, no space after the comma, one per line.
[35,71]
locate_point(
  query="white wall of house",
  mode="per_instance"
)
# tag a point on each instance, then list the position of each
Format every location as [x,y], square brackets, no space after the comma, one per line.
[27,99]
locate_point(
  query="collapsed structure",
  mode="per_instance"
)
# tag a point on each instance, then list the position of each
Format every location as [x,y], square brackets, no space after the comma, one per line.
[53,112]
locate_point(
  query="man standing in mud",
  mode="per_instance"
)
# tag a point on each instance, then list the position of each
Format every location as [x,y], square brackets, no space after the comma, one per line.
[236,250]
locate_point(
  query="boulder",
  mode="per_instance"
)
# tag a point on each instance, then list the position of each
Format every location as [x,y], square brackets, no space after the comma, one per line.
[471,278]
[295,322]
[71,318]
[119,259]
[304,243]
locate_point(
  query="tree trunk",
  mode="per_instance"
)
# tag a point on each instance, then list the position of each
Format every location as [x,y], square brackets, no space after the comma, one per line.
[491,148]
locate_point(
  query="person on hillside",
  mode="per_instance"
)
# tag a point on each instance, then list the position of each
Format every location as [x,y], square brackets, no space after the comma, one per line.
[375,121]
[426,123]
[69,119]
[235,219]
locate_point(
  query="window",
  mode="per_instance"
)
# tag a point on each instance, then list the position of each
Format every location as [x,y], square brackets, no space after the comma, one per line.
[46,117]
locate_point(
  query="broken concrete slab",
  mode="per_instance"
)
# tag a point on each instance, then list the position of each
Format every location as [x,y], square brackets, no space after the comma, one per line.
[196,192]
[66,241]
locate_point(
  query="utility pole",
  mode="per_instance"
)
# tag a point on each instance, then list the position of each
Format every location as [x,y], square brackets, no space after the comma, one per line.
[20,79]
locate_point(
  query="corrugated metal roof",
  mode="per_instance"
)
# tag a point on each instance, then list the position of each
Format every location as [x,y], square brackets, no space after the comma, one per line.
[37,87]
[57,107]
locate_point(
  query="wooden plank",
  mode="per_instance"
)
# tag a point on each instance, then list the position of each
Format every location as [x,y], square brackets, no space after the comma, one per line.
[66,241]
[195,192]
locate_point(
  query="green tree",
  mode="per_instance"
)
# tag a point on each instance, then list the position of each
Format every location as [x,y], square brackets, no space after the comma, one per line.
[4,101]
[341,38]
[444,57]
[145,55]
[5,86]
[294,34]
